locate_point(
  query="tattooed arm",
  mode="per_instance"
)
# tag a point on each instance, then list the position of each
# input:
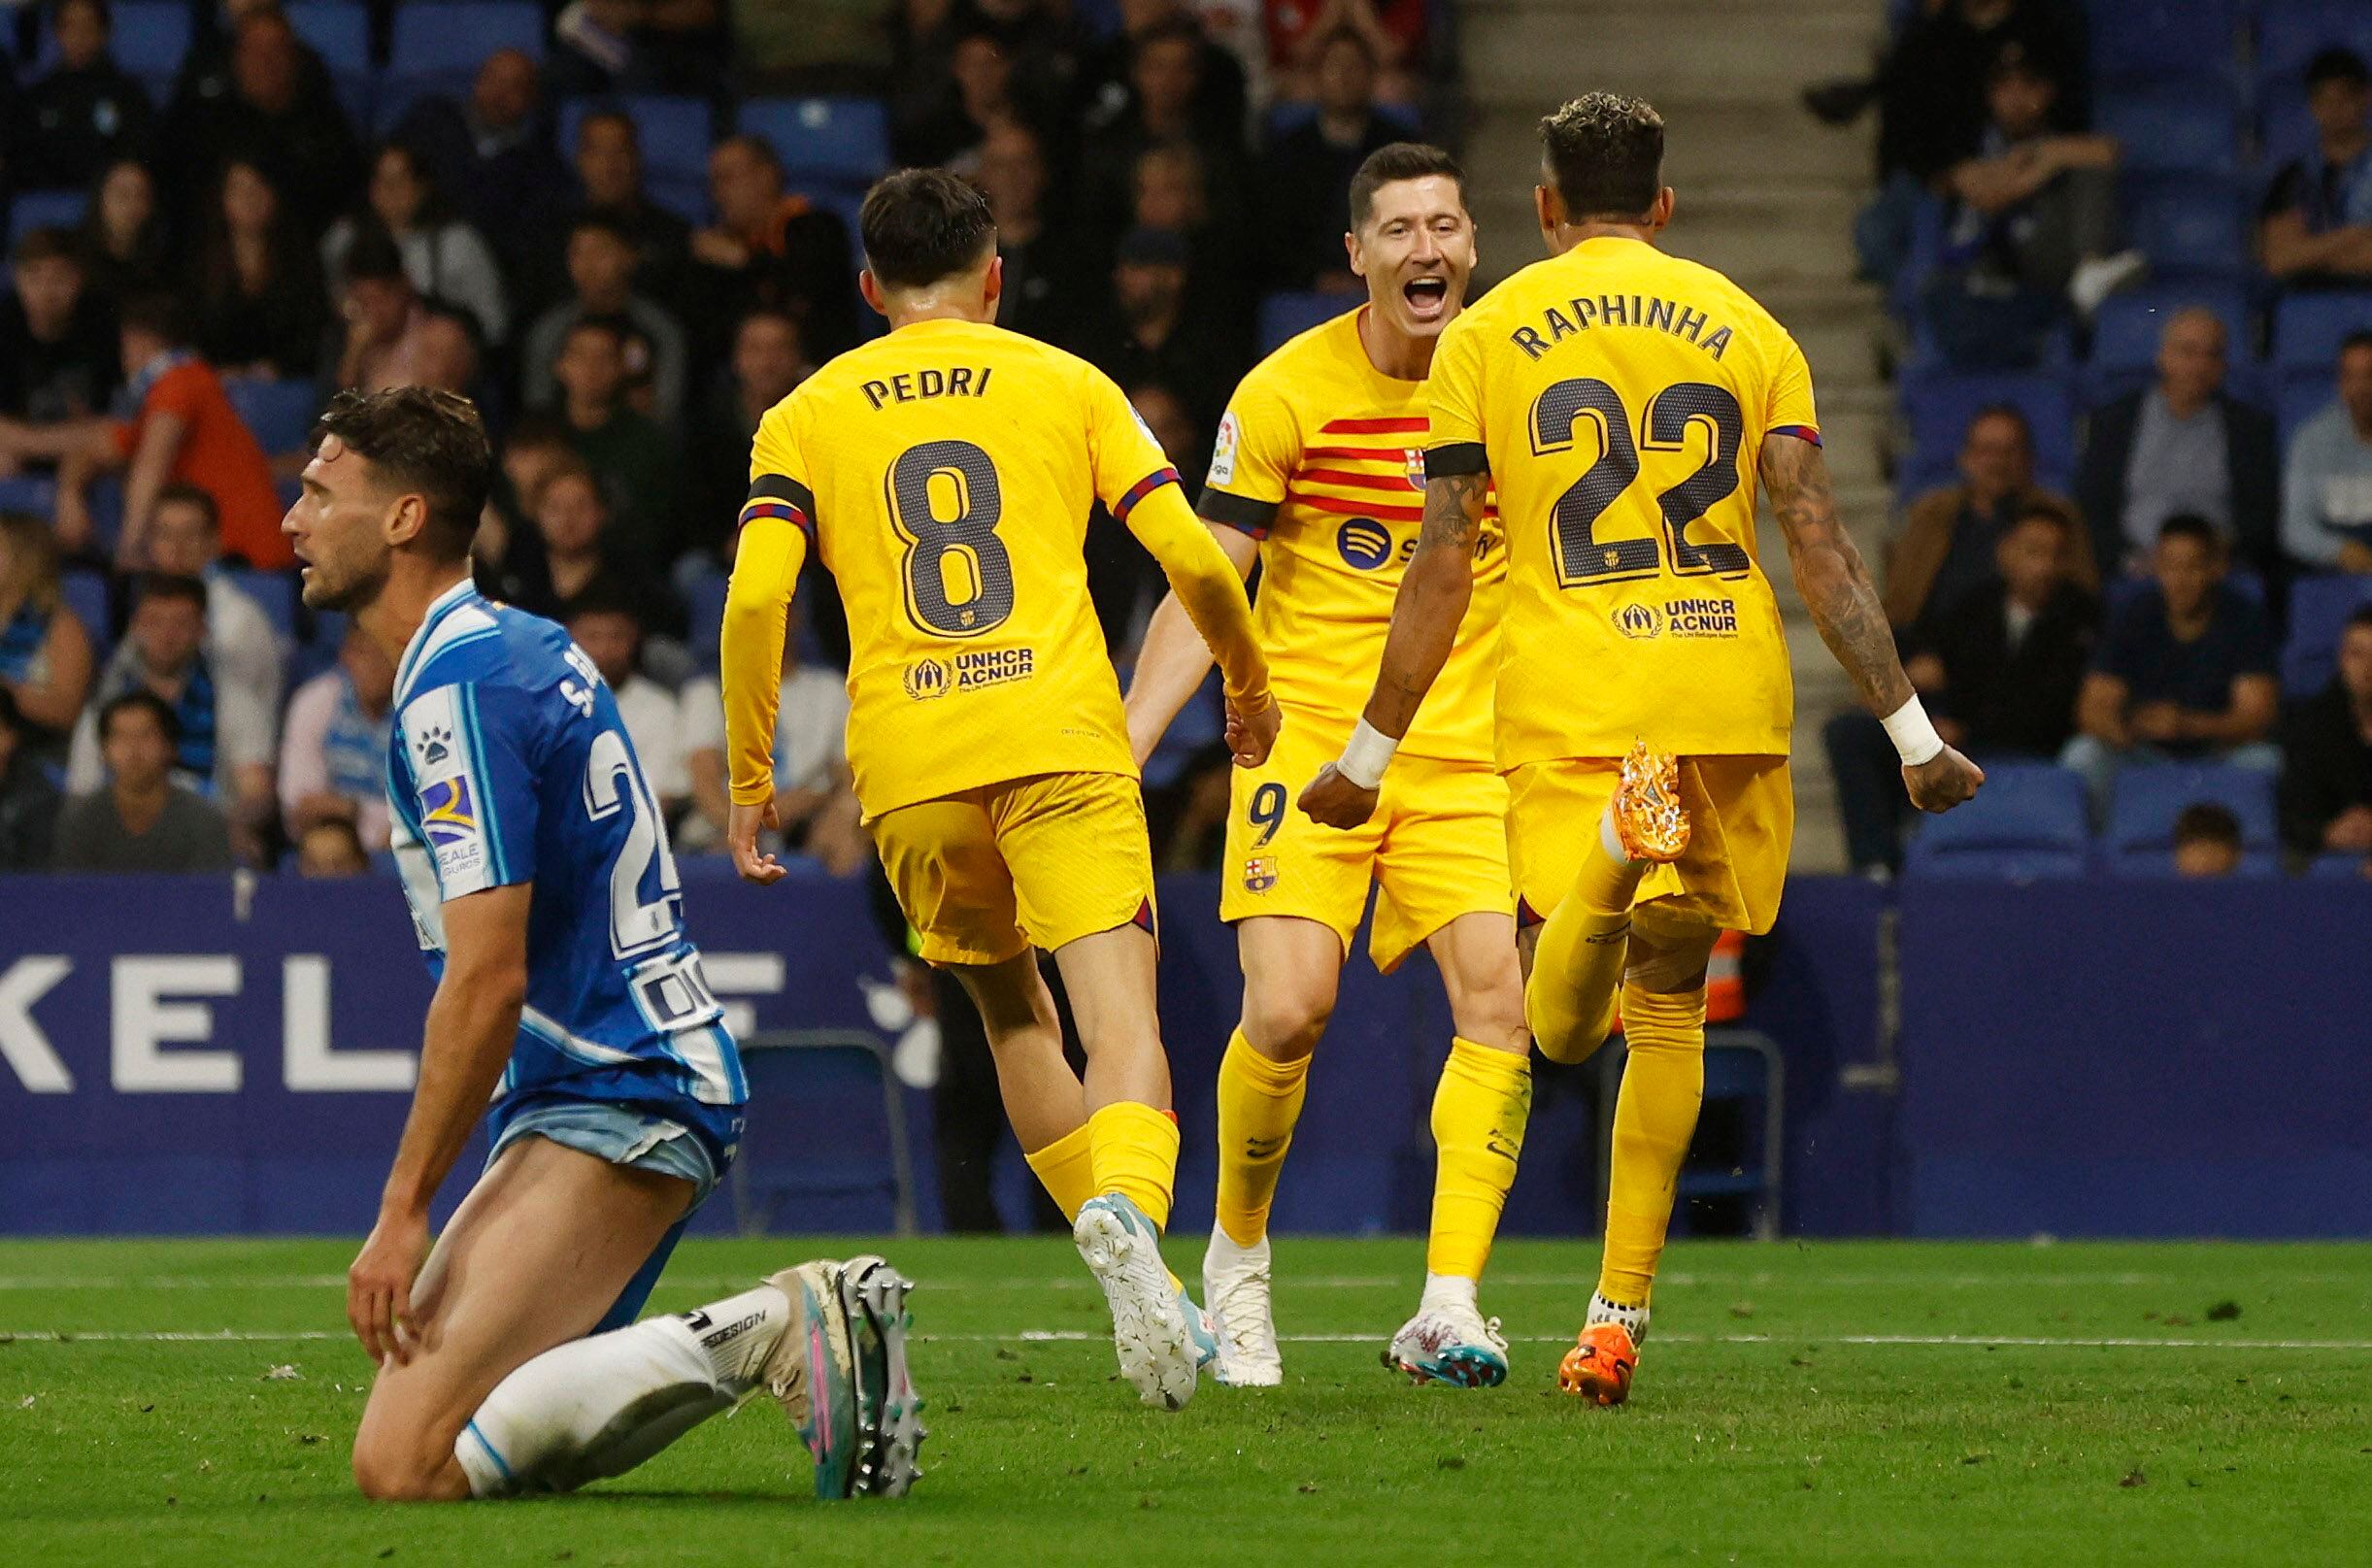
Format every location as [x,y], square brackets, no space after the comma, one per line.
[1846,608]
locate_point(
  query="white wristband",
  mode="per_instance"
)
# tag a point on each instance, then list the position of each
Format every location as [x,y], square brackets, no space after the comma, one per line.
[1365,755]
[1914,736]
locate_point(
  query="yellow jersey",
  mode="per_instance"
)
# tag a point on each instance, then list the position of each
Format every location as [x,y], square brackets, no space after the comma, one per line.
[944,474]
[1619,398]
[1321,457]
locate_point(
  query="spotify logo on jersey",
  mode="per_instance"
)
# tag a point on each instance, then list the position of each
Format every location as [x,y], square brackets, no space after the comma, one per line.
[1365,543]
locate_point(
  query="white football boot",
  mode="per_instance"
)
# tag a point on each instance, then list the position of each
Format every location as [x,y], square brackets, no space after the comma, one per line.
[1235,1287]
[1149,1325]
[1450,1342]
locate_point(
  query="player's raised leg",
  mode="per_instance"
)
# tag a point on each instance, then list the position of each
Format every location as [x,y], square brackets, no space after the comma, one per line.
[1480,1106]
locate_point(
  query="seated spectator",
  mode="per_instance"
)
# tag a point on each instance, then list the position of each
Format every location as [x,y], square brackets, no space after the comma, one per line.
[630,455]
[2185,673]
[28,800]
[975,94]
[1043,272]
[223,733]
[1206,79]
[450,359]
[609,169]
[242,645]
[2206,841]
[1949,536]
[609,626]
[446,260]
[2326,488]
[578,558]
[86,111]
[330,847]
[390,335]
[275,106]
[1146,335]
[1307,171]
[2183,445]
[492,155]
[1301,32]
[45,655]
[122,242]
[140,818]
[508,557]
[814,799]
[610,46]
[1999,669]
[2327,747]
[1172,192]
[2316,224]
[333,749]
[206,73]
[261,311]
[58,355]
[2033,230]
[772,249]
[601,262]
[767,363]
[1168,101]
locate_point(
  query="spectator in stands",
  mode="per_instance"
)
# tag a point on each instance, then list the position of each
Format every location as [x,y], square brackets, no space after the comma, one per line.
[275,107]
[768,362]
[206,73]
[815,800]
[2182,444]
[492,157]
[122,242]
[58,356]
[262,311]
[140,818]
[45,655]
[1172,192]
[2316,224]
[242,645]
[571,524]
[386,342]
[2000,667]
[2206,841]
[28,800]
[333,749]
[1169,99]
[610,171]
[608,626]
[1306,172]
[2326,776]
[1193,82]
[637,46]
[975,94]
[445,259]
[331,848]
[770,248]
[1042,274]
[630,455]
[1950,536]
[601,263]
[1301,32]
[223,732]
[2184,673]
[2326,490]
[450,360]
[86,111]
[1146,337]
[2032,229]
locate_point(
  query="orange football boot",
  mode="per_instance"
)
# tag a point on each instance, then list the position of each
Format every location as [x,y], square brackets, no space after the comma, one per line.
[1599,1366]
[1649,819]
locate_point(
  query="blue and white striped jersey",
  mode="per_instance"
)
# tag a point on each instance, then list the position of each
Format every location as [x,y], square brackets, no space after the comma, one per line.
[508,763]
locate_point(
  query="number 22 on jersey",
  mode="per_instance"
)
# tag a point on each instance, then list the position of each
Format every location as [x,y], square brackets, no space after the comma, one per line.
[1583,561]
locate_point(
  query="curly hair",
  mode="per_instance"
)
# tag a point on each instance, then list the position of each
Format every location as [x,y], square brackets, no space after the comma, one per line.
[1605,152]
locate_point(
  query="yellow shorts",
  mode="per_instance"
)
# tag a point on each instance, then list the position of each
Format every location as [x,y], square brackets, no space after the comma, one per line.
[1741,821]
[1436,847]
[988,873]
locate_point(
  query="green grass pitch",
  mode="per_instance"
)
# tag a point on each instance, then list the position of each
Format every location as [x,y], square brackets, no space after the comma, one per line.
[1868,1402]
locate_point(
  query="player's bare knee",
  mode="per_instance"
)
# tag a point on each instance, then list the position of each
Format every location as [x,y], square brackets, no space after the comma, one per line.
[1283,1022]
[1494,1017]
[391,1469]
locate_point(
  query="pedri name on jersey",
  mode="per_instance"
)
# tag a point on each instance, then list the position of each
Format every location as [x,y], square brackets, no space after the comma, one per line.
[1578,315]
[961,381]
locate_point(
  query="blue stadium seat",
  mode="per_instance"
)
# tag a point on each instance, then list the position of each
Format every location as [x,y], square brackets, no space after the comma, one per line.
[2319,608]
[2150,39]
[2289,32]
[843,1161]
[2026,823]
[339,31]
[317,652]
[280,413]
[1282,316]
[275,592]
[2146,801]
[437,46]
[46,210]
[147,39]
[684,195]
[705,597]
[1940,405]
[2299,396]
[2186,126]
[1289,116]
[2189,226]
[844,139]
[35,494]
[2125,331]
[85,594]
[675,133]
[2336,868]
[2307,328]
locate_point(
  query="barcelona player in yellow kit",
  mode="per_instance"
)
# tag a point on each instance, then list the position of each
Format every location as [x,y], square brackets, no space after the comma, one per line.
[1622,403]
[1316,480]
[945,476]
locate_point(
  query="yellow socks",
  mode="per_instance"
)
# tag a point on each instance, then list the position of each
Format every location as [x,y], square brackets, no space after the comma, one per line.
[1134,1148]
[1259,1102]
[1577,962]
[1478,1111]
[1066,1169]
[1664,1084]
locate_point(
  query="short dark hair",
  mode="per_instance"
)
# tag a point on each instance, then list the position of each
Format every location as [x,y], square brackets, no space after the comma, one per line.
[192,496]
[2337,64]
[141,700]
[2190,525]
[1400,160]
[1180,26]
[758,146]
[169,586]
[45,245]
[605,595]
[159,315]
[2361,616]
[423,439]
[2044,510]
[601,222]
[2207,821]
[920,226]
[1605,150]
[2360,338]
[374,257]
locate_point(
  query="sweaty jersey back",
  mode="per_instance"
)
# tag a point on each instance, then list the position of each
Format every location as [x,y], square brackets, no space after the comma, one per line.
[948,471]
[1619,398]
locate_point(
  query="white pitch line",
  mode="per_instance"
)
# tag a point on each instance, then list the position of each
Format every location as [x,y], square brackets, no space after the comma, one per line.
[1071,1336]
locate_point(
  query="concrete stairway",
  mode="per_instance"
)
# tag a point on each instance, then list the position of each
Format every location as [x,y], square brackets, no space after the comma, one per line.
[1765,193]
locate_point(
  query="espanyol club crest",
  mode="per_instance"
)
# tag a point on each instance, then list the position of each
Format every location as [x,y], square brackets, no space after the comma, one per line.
[1259,874]
[1415,468]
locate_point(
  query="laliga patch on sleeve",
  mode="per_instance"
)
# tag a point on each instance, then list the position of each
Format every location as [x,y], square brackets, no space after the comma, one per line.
[1223,450]
[453,823]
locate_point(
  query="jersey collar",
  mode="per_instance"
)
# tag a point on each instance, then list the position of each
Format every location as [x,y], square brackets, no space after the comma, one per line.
[443,605]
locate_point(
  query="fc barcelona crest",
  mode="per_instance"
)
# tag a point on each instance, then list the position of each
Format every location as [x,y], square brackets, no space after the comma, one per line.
[1259,874]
